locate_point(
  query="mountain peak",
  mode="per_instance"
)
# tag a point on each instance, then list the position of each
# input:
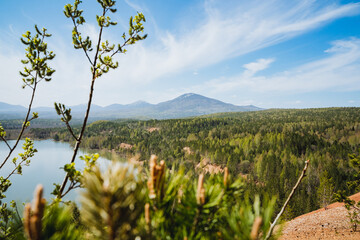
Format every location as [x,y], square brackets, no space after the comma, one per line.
[186,105]
[186,95]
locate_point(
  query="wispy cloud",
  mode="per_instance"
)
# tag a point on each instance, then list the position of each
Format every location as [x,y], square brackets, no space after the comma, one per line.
[227,32]
[254,67]
[134,5]
[339,71]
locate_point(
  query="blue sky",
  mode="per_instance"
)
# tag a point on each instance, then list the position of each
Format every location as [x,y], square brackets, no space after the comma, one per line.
[272,54]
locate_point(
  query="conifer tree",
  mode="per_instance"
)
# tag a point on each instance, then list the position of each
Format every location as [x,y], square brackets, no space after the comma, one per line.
[326,190]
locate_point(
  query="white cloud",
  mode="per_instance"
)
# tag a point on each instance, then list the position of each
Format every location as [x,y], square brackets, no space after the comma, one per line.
[254,67]
[340,71]
[225,33]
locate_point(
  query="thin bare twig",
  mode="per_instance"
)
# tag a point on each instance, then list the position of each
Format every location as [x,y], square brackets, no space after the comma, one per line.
[23,126]
[71,187]
[82,46]
[126,42]
[4,140]
[68,126]
[16,167]
[78,141]
[287,200]
[28,85]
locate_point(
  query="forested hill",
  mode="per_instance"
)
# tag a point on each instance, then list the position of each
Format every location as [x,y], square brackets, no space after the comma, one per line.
[268,147]
[186,105]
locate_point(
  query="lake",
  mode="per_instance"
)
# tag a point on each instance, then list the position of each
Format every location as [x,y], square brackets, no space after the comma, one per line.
[44,168]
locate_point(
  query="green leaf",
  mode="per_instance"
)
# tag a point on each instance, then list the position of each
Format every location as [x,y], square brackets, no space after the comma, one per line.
[37,30]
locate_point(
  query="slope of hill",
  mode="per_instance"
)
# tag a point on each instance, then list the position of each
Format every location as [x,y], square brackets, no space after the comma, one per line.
[186,105]
[191,104]
[4,107]
[332,223]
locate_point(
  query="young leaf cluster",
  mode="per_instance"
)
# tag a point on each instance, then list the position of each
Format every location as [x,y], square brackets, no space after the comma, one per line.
[66,116]
[37,57]
[72,11]
[76,175]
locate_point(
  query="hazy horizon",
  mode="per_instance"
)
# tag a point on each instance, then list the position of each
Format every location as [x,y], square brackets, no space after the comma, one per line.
[84,104]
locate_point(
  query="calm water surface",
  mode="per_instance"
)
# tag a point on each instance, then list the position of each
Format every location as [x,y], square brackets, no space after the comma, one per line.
[44,168]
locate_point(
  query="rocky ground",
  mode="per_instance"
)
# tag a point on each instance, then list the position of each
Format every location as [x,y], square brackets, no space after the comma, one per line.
[332,223]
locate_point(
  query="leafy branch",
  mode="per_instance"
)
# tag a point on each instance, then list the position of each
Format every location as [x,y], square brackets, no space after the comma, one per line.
[101,63]
[36,62]
[66,117]
[36,69]
[75,175]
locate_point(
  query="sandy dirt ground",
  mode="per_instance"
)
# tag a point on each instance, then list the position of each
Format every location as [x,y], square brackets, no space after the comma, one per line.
[332,223]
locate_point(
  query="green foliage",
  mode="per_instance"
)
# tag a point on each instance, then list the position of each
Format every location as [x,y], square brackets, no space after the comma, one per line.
[112,201]
[351,206]
[71,11]
[2,132]
[354,184]
[326,189]
[104,50]
[60,223]
[267,147]
[112,207]
[63,111]
[241,218]
[353,216]
[76,175]
[4,185]
[10,222]
[29,151]
[212,209]
[37,57]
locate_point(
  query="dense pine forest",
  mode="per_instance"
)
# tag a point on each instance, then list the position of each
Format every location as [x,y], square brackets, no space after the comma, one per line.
[266,148]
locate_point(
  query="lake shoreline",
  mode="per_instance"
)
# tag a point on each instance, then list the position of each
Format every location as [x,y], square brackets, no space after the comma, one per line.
[45,168]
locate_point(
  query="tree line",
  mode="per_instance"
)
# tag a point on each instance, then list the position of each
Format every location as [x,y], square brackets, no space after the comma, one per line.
[268,148]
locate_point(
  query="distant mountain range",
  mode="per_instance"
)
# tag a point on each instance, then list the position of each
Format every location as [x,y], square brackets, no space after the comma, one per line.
[186,105]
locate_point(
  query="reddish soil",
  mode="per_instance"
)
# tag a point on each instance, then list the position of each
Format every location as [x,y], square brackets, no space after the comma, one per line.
[209,168]
[126,146]
[153,129]
[332,223]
